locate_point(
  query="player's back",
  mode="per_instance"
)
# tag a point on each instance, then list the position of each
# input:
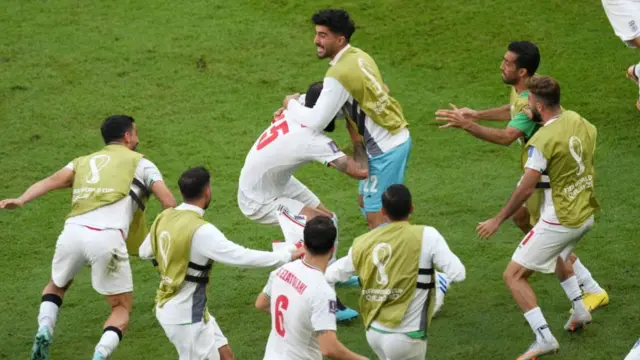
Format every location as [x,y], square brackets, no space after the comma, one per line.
[281,149]
[302,302]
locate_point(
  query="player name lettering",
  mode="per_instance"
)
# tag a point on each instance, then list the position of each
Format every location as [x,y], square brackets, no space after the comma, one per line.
[292,280]
[573,190]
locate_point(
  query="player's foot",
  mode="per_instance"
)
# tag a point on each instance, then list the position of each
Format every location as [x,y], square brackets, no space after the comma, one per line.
[346,314]
[577,321]
[631,74]
[354,281]
[594,301]
[98,356]
[540,348]
[40,350]
[442,285]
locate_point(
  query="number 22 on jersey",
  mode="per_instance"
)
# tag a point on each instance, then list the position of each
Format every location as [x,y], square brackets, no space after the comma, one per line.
[282,304]
[271,134]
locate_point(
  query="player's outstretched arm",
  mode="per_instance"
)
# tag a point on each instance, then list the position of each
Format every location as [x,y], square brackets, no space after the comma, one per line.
[501,113]
[523,191]
[332,348]
[163,194]
[61,179]
[457,119]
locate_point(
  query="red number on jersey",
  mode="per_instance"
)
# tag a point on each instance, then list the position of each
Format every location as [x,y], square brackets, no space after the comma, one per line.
[282,303]
[270,135]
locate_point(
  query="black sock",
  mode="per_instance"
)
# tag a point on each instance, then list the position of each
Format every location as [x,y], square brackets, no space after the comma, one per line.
[115,330]
[340,304]
[52,298]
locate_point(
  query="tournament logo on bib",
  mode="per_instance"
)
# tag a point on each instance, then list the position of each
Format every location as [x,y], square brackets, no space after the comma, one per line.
[96,164]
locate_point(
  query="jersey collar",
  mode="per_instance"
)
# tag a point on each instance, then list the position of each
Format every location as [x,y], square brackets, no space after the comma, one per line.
[339,55]
[193,208]
[310,266]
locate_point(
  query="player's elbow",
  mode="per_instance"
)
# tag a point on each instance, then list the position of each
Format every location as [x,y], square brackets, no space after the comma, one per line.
[262,303]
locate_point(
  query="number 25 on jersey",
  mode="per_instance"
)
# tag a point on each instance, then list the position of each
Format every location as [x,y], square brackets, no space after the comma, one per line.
[271,134]
[282,304]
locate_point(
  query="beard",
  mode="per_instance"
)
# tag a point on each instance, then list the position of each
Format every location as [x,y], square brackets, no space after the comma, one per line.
[536,116]
[509,81]
[206,206]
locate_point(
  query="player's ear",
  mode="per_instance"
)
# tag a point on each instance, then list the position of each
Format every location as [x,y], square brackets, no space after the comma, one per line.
[411,209]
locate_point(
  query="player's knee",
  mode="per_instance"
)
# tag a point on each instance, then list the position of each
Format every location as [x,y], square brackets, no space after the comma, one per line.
[52,288]
[121,301]
[572,258]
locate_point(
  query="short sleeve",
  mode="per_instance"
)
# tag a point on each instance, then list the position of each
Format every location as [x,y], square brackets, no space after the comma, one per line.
[536,160]
[522,122]
[323,309]
[148,172]
[322,149]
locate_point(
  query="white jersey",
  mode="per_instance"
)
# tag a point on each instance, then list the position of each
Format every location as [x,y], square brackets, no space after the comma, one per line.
[302,303]
[278,153]
[119,214]
[208,243]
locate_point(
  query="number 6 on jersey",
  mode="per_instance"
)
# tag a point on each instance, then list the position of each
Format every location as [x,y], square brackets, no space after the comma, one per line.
[282,303]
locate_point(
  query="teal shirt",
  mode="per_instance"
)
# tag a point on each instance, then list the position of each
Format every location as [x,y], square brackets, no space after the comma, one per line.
[519,119]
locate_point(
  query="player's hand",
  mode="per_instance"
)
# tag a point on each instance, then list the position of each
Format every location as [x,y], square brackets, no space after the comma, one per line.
[459,118]
[288,98]
[298,253]
[277,113]
[11,204]
[489,227]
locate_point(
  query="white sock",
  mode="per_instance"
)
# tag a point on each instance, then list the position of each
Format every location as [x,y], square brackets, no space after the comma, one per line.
[334,257]
[589,284]
[538,324]
[48,314]
[108,342]
[572,289]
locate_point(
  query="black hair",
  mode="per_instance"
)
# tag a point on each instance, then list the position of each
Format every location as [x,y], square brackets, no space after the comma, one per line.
[320,235]
[528,56]
[337,20]
[115,126]
[396,201]
[193,183]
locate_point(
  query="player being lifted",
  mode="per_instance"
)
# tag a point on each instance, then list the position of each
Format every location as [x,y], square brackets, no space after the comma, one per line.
[354,84]
[269,193]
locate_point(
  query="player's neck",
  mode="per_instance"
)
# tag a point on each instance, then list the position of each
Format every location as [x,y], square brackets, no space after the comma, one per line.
[339,51]
[551,114]
[318,262]
[521,86]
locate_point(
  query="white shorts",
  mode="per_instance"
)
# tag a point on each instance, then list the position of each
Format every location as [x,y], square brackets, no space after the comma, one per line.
[296,196]
[542,246]
[197,341]
[104,250]
[624,16]
[396,346]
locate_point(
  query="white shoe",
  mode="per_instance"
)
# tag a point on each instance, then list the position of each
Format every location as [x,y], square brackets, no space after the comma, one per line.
[540,348]
[577,321]
[634,354]
[442,285]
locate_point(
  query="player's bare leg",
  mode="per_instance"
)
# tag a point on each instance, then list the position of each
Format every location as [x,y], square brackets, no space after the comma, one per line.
[52,297]
[633,72]
[226,353]
[517,279]
[115,326]
[580,316]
